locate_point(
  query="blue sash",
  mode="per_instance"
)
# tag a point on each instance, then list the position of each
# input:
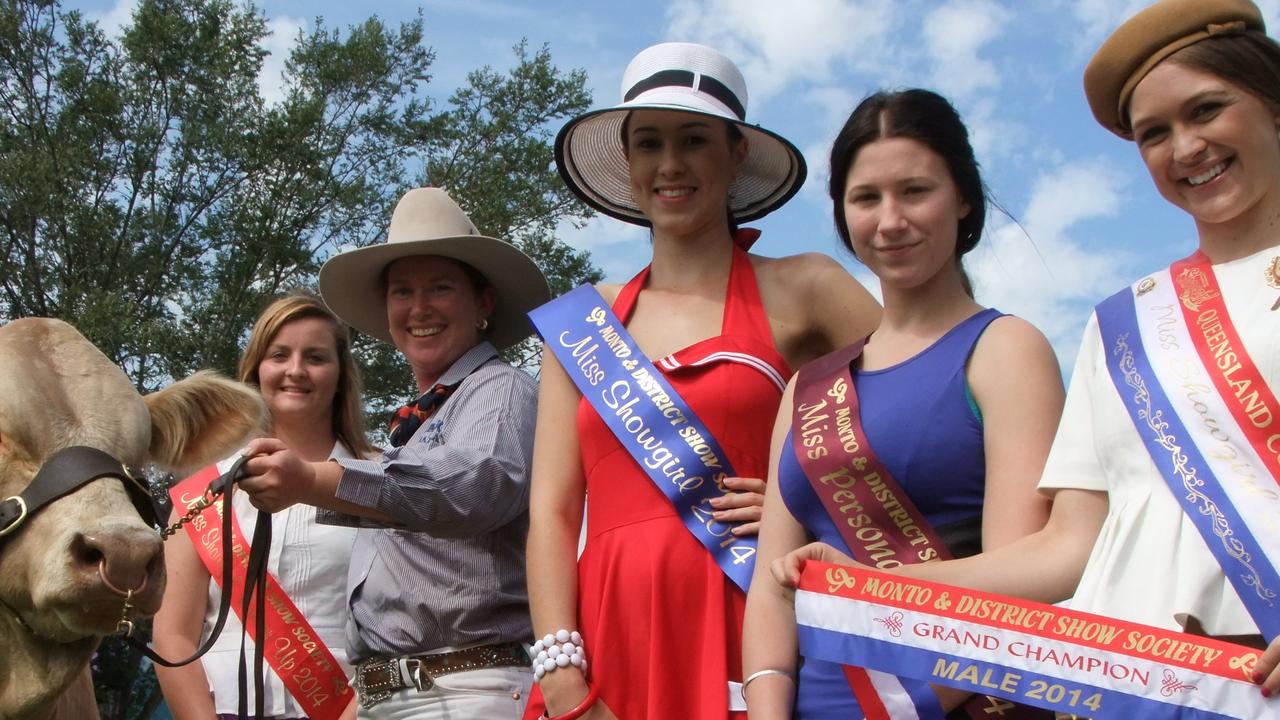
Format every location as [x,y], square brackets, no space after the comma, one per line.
[1182,465]
[657,428]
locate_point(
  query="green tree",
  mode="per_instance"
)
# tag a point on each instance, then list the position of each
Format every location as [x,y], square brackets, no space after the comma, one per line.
[150,196]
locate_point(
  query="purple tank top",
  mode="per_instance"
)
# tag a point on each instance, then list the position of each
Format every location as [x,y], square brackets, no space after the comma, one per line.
[919,417]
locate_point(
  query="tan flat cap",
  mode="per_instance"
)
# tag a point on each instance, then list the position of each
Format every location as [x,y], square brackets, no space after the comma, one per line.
[1152,35]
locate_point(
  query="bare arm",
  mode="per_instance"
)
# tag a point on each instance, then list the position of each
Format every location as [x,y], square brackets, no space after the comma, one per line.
[770,613]
[555,522]
[1016,382]
[177,629]
[1044,566]
[815,306]
[842,312]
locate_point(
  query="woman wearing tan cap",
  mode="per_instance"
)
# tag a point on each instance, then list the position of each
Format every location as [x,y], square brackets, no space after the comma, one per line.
[1164,471]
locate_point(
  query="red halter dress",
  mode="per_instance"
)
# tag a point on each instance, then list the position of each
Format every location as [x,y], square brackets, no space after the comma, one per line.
[661,623]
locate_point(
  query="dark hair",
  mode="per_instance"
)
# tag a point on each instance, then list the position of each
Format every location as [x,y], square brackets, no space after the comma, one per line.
[928,118]
[1249,59]
[732,132]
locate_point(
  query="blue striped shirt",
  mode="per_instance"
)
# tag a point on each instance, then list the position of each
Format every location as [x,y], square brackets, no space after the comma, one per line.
[453,576]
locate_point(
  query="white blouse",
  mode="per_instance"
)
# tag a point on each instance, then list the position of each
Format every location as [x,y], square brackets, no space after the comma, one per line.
[1150,564]
[310,563]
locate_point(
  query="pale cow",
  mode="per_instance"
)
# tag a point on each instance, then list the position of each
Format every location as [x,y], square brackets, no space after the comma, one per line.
[57,390]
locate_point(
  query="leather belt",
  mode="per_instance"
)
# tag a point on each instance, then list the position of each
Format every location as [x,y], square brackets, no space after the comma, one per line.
[378,678]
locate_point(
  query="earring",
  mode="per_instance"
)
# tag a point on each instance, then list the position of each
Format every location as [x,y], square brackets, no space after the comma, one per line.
[483,324]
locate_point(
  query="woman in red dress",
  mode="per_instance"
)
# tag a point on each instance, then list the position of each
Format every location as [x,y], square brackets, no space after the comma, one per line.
[660,623]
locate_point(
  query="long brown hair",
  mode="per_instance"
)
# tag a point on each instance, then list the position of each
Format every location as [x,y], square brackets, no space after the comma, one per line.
[348,414]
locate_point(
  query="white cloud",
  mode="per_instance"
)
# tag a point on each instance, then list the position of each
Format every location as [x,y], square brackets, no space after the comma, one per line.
[619,249]
[282,33]
[1271,14]
[1050,278]
[1100,17]
[778,43]
[113,21]
[954,35]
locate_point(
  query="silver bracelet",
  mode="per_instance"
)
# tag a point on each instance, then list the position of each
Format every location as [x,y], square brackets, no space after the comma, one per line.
[762,673]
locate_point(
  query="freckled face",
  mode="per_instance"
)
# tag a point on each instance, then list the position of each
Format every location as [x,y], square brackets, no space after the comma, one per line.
[1210,146]
[433,312]
[903,211]
[681,166]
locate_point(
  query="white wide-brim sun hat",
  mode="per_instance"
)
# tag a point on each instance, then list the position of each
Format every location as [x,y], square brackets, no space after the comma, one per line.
[427,221]
[684,77]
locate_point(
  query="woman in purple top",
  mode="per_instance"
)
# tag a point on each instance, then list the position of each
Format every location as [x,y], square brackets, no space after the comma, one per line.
[959,402]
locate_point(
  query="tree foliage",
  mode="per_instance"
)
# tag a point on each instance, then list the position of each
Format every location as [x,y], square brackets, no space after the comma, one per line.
[153,198]
[150,195]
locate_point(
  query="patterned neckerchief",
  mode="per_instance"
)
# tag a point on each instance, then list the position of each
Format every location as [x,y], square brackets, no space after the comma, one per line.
[409,418]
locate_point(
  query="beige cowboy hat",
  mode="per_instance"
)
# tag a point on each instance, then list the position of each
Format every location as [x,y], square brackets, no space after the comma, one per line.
[427,221]
[684,77]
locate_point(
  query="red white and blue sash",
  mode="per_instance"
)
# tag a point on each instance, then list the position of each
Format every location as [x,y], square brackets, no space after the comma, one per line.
[655,425]
[1208,419]
[876,518]
[1022,651]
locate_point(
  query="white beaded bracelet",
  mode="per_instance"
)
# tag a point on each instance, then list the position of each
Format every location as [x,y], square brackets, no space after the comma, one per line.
[553,652]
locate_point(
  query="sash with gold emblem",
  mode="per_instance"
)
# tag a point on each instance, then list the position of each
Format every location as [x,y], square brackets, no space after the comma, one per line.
[1208,418]
[880,525]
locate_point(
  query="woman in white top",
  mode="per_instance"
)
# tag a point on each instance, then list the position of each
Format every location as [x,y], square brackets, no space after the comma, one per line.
[1196,85]
[299,357]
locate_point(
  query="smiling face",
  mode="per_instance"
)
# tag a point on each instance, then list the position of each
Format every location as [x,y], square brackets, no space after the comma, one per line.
[433,311]
[903,212]
[1211,147]
[299,373]
[681,166]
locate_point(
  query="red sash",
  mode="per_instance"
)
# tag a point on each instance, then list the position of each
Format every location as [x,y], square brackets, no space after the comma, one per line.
[873,514]
[294,650]
[1234,374]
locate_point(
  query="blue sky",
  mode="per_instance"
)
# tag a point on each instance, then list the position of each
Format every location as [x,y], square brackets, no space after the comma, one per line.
[1090,219]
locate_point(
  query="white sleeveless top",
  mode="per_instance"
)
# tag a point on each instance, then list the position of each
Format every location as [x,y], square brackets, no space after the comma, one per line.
[1150,564]
[310,563]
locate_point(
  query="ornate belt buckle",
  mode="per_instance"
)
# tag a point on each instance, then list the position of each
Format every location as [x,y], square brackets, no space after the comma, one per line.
[386,677]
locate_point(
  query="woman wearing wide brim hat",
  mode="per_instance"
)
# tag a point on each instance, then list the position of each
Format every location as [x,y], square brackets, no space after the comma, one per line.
[449,598]
[660,623]
[1196,85]
[428,222]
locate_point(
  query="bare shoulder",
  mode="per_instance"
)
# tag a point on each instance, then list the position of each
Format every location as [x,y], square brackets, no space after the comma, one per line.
[805,276]
[796,270]
[1011,348]
[609,291]
[1011,334]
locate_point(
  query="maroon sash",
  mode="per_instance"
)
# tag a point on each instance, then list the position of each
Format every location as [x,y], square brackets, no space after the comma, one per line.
[873,514]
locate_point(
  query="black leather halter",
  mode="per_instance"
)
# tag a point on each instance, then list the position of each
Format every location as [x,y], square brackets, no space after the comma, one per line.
[72,468]
[63,473]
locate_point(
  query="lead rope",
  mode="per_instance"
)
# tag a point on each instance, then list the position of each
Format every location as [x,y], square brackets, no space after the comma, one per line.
[255,583]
